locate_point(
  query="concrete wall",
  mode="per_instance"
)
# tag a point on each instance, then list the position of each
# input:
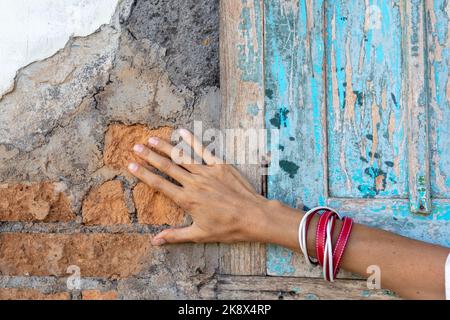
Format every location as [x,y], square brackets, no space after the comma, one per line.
[70,110]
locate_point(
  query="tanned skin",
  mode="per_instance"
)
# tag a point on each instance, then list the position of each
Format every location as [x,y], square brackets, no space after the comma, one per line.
[225,208]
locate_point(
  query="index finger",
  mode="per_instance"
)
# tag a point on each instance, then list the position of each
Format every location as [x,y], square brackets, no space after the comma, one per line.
[198,148]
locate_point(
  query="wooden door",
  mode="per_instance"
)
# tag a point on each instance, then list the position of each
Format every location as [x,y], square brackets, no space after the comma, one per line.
[360,93]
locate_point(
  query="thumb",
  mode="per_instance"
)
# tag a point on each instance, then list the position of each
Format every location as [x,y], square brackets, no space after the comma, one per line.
[176,235]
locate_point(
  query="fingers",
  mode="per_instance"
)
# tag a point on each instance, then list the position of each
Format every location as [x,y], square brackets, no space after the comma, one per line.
[193,142]
[178,235]
[161,163]
[176,154]
[155,181]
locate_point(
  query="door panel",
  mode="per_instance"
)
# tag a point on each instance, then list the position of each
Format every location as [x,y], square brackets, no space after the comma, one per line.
[365,118]
[439,94]
[352,100]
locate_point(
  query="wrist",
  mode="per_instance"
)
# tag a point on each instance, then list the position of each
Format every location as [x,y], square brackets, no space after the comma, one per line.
[276,223]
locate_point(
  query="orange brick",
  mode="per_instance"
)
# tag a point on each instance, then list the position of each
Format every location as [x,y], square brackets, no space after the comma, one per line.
[31,294]
[154,207]
[43,201]
[120,139]
[99,295]
[96,254]
[105,205]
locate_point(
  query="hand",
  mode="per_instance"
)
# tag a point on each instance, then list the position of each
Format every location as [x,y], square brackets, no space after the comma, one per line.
[223,205]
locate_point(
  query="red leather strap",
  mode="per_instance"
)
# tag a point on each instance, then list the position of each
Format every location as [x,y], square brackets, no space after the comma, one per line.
[321,235]
[341,243]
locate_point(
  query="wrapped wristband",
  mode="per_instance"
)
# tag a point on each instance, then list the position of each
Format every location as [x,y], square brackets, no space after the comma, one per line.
[328,262]
[327,256]
[303,235]
[321,235]
[341,243]
[324,245]
[303,232]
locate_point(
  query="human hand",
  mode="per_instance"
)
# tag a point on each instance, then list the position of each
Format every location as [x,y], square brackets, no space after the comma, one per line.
[223,205]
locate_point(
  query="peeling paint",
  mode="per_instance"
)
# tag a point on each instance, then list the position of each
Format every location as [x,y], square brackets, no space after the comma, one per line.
[52,128]
[250,52]
[364,150]
[34,30]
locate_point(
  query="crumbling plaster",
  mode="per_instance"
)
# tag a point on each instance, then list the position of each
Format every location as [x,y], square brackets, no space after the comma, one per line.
[53,122]
[153,63]
[34,30]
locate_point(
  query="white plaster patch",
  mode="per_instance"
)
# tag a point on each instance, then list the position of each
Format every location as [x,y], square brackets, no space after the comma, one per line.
[34,30]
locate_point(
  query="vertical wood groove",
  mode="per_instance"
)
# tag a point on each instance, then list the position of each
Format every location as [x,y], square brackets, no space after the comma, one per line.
[242,89]
[416,101]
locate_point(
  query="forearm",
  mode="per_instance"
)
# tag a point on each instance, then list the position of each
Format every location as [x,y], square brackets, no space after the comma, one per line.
[411,268]
[225,208]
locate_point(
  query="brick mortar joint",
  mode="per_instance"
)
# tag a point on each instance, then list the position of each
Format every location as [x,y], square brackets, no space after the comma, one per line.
[75,228]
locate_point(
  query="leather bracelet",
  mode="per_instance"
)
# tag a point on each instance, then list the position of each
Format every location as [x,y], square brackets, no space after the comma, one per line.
[324,244]
[321,235]
[327,257]
[303,232]
[303,235]
[328,262]
[341,243]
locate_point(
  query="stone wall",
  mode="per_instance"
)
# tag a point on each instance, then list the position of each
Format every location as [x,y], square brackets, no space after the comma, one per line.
[69,211]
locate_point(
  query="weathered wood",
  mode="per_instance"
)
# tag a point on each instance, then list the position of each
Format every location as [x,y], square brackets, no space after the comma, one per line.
[289,288]
[438,36]
[295,99]
[365,114]
[416,100]
[241,52]
[346,86]
[394,215]
[295,104]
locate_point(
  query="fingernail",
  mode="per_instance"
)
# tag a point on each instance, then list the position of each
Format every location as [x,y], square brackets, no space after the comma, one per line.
[158,241]
[138,148]
[153,141]
[133,167]
[184,132]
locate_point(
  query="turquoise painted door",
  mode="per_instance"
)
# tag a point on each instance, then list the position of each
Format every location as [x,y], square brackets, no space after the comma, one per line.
[360,93]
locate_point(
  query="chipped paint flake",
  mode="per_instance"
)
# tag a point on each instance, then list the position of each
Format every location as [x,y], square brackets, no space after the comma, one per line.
[34,30]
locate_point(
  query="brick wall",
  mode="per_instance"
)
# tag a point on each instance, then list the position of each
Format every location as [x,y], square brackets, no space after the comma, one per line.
[73,223]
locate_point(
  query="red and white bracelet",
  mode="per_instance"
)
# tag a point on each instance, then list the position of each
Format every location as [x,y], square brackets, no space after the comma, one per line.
[328,258]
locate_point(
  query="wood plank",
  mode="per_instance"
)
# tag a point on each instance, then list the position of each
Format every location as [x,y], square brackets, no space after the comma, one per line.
[241,84]
[363,61]
[438,56]
[295,99]
[394,215]
[365,117]
[289,288]
[416,100]
[295,102]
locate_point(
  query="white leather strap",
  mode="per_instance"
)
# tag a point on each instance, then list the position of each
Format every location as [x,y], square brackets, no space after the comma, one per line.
[328,253]
[302,232]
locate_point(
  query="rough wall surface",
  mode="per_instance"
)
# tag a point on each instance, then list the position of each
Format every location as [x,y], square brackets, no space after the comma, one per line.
[33,30]
[73,223]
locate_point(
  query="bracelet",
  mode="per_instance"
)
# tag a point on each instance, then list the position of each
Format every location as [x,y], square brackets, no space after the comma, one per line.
[303,232]
[341,243]
[324,246]
[303,235]
[328,252]
[328,258]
